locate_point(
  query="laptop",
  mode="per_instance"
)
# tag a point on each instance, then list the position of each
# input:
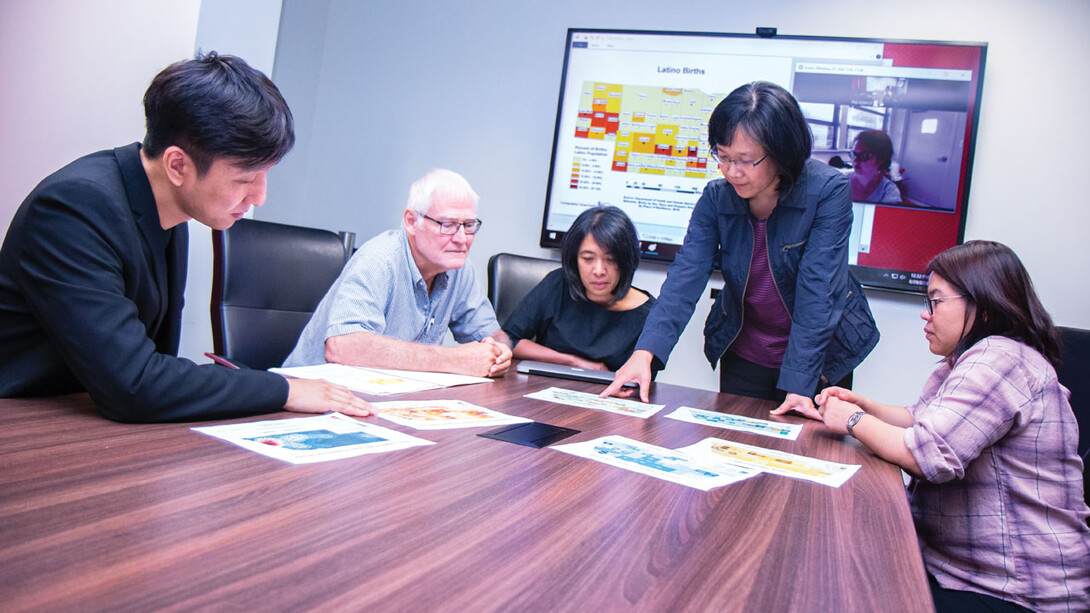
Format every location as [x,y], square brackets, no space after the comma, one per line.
[546,369]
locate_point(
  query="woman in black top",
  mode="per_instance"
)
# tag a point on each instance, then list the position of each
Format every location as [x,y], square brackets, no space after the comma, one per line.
[586,314]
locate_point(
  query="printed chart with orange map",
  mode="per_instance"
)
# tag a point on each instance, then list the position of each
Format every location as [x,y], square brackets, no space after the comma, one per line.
[442,414]
[774,461]
[655,130]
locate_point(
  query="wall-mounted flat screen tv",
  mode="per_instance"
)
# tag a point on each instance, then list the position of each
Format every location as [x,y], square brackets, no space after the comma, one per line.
[631,131]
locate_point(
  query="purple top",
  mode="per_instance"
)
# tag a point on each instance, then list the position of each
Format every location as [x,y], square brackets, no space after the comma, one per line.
[766,323]
[1001,511]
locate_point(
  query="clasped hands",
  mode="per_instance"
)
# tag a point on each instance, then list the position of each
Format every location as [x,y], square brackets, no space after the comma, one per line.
[834,406]
[486,358]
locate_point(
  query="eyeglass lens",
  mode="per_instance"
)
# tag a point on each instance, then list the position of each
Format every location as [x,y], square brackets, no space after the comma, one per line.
[741,164]
[451,227]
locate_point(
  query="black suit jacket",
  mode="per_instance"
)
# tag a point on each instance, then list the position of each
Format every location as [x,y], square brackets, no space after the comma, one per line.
[91,293]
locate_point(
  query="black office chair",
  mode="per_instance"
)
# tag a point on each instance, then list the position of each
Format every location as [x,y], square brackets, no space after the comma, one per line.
[1074,374]
[511,277]
[267,279]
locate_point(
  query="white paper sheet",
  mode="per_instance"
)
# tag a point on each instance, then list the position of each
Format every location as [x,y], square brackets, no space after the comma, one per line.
[376,381]
[772,461]
[442,414]
[584,400]
[658,462]
[439,379]
[737,422]
[303,440]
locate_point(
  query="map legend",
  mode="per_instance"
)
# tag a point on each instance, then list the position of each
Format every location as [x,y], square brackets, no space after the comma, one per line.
[587,172]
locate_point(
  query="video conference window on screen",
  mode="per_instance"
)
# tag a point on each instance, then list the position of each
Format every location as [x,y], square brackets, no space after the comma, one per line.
[631,131]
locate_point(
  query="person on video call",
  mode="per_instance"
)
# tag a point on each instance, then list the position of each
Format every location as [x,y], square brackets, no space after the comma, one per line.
[586,314]
[93,268]
[998,499]
[404,289]
[872,155]
[790,318]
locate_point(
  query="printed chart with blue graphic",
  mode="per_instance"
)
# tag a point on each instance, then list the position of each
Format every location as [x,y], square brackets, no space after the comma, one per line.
[738,423]
[659,462]
[302,440]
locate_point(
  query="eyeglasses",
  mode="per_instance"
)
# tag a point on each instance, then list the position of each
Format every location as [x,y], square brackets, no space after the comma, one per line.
[862,156]
[451,227]
[739,164]
[931,301]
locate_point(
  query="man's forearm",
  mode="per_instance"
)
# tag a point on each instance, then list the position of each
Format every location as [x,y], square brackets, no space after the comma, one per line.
[377,351]
[501,337]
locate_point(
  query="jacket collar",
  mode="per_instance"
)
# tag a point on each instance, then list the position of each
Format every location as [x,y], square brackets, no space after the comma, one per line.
[141,199]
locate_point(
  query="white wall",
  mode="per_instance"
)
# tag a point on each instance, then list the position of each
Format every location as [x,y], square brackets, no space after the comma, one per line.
[74,75]
[387,90]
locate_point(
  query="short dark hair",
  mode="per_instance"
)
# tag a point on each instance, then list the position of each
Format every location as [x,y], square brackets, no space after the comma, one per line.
[614,233]
[217,106]
[877,143]
[1000,294]
[772,118]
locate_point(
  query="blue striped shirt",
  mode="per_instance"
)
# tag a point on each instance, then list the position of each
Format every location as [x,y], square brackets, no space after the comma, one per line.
[382,291]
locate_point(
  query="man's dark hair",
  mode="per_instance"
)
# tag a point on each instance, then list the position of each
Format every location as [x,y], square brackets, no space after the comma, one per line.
[999,295]
[770,116]
[615,234]
[217,106]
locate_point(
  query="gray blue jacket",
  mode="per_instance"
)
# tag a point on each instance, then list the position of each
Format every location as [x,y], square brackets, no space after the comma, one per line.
[832,329]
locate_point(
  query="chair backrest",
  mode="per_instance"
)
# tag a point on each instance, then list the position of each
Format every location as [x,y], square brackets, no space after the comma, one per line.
[511,277]
[267,279]
[1074,374]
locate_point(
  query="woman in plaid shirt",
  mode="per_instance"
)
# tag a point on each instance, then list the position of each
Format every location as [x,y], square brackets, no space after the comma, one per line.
[992,441]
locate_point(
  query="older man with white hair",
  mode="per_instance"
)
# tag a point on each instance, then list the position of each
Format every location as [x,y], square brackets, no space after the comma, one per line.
[403,289]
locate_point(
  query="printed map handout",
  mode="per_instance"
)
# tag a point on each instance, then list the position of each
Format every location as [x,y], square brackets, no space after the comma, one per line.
[772,461]
[442,414]
[303,440]
[659,462]
[737,422]
[378,381]
[584,400]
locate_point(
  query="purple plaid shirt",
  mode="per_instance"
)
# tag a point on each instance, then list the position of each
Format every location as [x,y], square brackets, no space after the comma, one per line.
[1001,511]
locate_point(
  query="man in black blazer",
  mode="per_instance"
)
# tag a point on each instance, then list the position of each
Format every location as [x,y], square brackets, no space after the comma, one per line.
[93,267]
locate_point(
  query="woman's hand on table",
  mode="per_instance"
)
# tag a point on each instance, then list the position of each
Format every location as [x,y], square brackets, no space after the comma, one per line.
[799,404]
[636,370]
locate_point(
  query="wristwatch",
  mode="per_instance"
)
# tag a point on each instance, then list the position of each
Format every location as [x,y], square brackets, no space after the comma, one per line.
[854,419]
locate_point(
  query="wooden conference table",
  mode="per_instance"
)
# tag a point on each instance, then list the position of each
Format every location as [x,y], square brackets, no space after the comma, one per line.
[96,515]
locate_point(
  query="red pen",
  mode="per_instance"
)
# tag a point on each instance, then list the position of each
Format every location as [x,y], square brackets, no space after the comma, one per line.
[222,361]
